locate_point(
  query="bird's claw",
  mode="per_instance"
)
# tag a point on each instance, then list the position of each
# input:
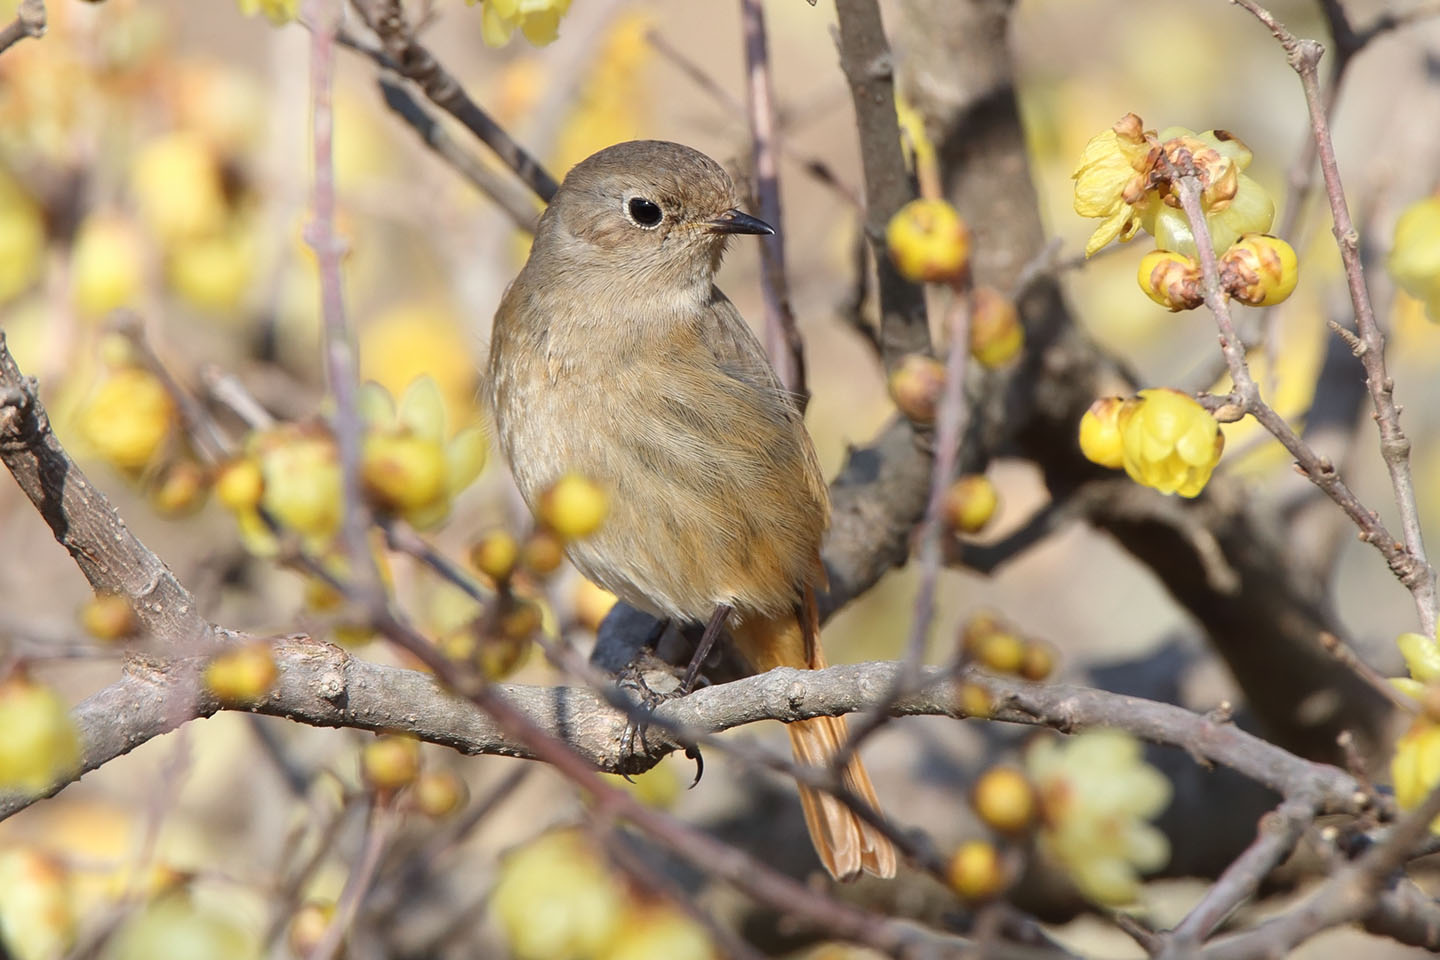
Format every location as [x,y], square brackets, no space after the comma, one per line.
[632,678]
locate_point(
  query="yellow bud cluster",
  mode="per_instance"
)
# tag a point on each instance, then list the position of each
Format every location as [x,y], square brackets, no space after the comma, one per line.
[1162,438]
[995,645]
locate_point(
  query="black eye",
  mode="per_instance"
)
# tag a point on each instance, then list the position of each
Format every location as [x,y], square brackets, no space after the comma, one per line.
[645,213]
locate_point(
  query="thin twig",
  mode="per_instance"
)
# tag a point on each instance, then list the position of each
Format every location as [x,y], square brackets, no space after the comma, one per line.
[950,427]
[1246,394]
[29,22]
[339,349]
[1410,565]
[417,64]
[509,197]
[379,826]
[782,335]
[1280,830]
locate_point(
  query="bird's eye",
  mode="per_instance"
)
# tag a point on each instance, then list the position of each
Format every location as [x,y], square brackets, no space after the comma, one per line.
[645,213]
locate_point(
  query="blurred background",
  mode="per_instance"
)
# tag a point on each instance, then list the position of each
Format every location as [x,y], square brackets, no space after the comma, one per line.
[155,156]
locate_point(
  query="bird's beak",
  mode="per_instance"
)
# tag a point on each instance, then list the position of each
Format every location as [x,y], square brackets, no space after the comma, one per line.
[737,221]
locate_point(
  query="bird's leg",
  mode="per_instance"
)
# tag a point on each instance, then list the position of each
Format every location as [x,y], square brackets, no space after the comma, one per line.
[650,699]
[632,677]
[706,644]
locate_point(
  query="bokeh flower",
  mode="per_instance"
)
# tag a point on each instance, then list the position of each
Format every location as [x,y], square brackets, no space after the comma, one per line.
[1169,441]
[539,20]
[1415,767]
[128,417]
[1415,253]
[41,744]
[1096,794]
[554,900]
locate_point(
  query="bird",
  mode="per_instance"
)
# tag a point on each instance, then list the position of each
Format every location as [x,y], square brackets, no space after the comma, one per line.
[613,355]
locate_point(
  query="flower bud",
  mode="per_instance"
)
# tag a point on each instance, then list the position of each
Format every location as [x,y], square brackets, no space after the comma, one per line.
[928,242]
[1100,433]
[309,925]
[390,762]
[1038,662]
[970,503]
[242,676]
[1004,800]
[107,263]
[439,793]
[1001,652]
[109,617]
[975,700]
[41,744]
[975,871]
[916,385]
[996,336]
[542,553]
[1259,270]
[403,471]
[495,555]
[239,484]
[128,418]
[592,604]
[1171,279]
[180,489]
[574,507]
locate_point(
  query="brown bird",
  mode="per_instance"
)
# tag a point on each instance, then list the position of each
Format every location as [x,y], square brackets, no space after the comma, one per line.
[615,356]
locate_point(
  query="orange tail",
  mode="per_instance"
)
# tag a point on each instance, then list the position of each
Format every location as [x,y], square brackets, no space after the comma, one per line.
[846,844]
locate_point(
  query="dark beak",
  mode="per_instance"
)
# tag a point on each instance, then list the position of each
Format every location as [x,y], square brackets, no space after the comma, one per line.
[736,221]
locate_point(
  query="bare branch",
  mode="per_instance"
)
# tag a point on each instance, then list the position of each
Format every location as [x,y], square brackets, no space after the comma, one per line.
[29,22]
[415,62]
[322,685]
[112,558]
[870,69]
[782,335]
[1410,565]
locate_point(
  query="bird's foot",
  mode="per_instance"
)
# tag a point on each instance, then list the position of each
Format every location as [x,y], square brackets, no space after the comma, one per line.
[632,678]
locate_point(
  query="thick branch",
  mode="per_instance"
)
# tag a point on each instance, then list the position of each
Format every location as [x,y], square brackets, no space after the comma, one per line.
[321,685]
[112,558]
[870,68]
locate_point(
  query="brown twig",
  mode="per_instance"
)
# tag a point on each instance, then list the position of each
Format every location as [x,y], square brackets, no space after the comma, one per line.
[1280,830]
[951,417]
[379,825]
[339,350]
[1409,564]
[508,196]
[1246,393]
[1350,894]
[29,22]
[414,62]
[782,335]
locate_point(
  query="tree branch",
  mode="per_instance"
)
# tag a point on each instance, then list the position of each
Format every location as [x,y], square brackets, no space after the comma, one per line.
[29,22]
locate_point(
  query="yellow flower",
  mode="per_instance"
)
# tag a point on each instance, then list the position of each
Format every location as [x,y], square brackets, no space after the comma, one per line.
[1100,433]
[996,335]
[37,916]
[107,264]
[41,744]
[301,487]
[1260,270]
[1096,794]
[1415,768]
[1111,181]
[1170,279]
[1234,204]
[928,242]
[1415,253]
[22,239]
[651,930]
[539,20]
[407,465]
[1169,441]
[279,12]
[128,418]
[176,182]
[214,272]
[554,899]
